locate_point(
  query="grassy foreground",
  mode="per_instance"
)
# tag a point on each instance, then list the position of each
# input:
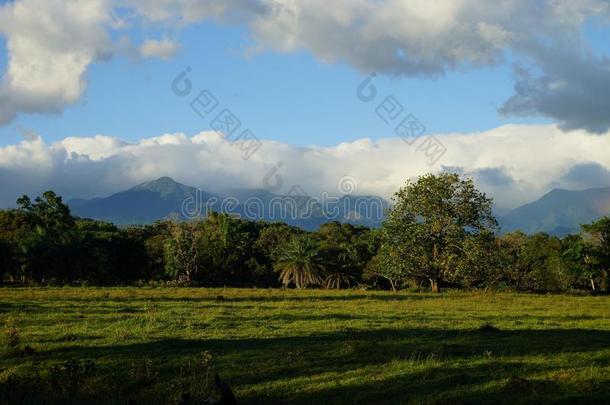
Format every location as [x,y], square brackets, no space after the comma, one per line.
[164,344]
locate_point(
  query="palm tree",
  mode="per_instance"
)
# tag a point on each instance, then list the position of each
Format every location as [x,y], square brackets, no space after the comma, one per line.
[338,278]
[300,263]
[340,273]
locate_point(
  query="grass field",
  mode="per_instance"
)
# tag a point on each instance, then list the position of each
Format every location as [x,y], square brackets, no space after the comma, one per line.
[157,344]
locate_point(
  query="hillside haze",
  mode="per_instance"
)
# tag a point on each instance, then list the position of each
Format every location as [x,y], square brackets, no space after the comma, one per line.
[144,203]
[156,200]
[559,212]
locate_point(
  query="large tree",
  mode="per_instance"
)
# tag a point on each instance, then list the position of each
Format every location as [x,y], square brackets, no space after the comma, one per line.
[533,262]
[346,252]
[183,251]
[46,238]
[229,252]
[578,254]
[429,224]
[597,235]
[47,211]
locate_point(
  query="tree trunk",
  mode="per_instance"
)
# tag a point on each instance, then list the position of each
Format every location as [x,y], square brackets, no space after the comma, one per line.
[392,285]
[434,286]
[592,284]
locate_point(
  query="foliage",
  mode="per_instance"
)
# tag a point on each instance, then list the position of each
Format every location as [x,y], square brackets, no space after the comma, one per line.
[48,211]
[432,219]
[68,376]
[480,266]
[533,263]
[346,250]
[11,335]
[439,232]
[184,251]
[300,262]
[597,235]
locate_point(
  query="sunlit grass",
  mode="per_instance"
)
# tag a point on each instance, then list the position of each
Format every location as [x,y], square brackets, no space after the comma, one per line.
[310,346]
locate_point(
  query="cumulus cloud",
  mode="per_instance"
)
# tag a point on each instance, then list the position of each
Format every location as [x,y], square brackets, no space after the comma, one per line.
[394,36]
[159,48]
[420,37]
[51,43]
[572,89]
[586,175]
[185,12]
[514,164]
[495,177]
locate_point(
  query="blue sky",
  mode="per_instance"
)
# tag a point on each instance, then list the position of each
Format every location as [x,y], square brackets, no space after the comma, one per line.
[289,70]
[288,97]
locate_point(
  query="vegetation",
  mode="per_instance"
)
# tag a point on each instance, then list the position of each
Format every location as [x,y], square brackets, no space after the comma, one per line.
[300,262]
[428,228]
[439,233]
[160,345]
[163,344]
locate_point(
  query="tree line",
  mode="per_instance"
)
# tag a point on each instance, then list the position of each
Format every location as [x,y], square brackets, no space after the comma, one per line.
[439,233]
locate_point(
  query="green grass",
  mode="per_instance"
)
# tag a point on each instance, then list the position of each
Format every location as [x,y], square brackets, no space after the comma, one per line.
[304,346]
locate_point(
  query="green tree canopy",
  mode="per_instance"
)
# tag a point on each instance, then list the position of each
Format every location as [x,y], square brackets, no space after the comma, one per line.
[597,235]
[430,221]
[47,211]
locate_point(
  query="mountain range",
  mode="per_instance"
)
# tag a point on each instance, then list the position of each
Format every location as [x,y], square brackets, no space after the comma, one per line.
[560,212]
[164,197]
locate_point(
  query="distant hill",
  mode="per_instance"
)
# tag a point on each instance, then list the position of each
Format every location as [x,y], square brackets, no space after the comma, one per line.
[161,198]
[144,203]
[560,212]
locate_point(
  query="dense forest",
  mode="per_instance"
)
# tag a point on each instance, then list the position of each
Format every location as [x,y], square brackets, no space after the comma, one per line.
[440,233]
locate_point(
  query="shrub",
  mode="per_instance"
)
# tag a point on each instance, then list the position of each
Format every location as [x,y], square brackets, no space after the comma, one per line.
[69,376]
[12,336]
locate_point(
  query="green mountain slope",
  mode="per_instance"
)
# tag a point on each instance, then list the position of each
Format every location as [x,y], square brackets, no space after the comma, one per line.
[559,212]
[158,199]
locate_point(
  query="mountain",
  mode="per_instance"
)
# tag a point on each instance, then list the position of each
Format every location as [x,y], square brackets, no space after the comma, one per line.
[158,199]
[144,203]
[560,212]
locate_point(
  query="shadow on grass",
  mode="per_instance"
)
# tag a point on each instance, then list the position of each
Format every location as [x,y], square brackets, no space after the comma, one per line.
[289,297]
[417,364]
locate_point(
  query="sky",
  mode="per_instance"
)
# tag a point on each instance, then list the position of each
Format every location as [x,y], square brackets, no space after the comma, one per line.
[515,93]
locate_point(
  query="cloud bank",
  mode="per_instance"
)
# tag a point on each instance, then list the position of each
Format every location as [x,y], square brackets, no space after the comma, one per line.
[51,44]
[514,164]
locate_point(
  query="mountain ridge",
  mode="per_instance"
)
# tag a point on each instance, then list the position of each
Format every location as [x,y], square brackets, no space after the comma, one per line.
[558,212]
[158,199]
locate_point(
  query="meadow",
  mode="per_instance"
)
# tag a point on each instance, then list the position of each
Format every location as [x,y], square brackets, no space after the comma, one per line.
[163,345]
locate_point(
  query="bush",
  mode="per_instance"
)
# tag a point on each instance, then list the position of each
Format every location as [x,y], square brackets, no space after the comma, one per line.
[12,337]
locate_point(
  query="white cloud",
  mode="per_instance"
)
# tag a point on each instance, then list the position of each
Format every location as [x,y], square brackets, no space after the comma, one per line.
[572,89]
[515,164]
[159,48]
[184,12]
[422,37]
[419,36]
[51,44]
